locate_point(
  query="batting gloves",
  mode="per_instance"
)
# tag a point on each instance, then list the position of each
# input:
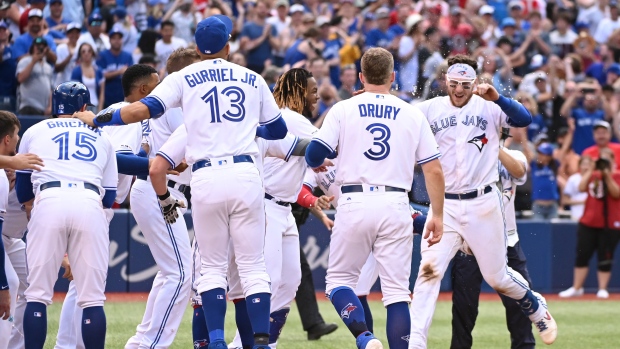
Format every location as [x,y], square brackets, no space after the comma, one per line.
[169,207]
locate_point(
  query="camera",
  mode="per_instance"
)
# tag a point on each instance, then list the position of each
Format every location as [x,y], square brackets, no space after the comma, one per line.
[602,164]
[588,90]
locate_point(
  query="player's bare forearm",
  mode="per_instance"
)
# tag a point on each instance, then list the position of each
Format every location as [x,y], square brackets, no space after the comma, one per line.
[514,167]
[21,162]
[435,185]
[157,171]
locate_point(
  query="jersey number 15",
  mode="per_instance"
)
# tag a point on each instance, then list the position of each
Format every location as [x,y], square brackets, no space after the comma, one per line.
[84,141]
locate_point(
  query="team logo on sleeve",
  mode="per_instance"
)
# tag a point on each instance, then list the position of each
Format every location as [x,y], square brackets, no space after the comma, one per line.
[479,141]
[347,310]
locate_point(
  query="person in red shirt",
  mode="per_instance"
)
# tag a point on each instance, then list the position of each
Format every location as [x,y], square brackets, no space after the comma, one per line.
[460,32]
[602,138]
[599,227]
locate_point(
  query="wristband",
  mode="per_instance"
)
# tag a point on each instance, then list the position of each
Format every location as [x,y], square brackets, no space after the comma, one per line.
[165,196]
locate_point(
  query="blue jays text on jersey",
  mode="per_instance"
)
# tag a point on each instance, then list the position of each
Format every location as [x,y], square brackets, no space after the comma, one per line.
[71,124]
[470,120]
[218,75]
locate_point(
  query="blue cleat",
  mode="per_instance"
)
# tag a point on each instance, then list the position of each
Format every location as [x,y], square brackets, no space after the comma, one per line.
[217,345]
[367,340]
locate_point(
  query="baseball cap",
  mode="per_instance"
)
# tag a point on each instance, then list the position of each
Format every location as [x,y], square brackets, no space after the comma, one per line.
[297,8]
[3,24]
[120,12]
[212,34]
[284,3]
[508,22]
[581,25]
[515,3]
[369,16]
[322,20]
[95,19]
[601,123]
[55,1]
[382,13]
[486,10]
[35,12]
[4,5]
[74,26]
[412,20]
[545,149]
[614,68]
[537,62]
[115,32]
[40,41]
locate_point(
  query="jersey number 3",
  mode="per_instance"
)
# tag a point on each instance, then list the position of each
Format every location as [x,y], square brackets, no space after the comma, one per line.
[237,97]
[381,134]
[84,141]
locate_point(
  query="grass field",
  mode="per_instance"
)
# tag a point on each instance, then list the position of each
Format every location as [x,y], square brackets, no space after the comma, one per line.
[583,324]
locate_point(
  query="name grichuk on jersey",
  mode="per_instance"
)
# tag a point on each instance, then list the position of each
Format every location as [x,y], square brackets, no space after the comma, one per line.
[468,139]
[379,139]
[71,151]
[222,104]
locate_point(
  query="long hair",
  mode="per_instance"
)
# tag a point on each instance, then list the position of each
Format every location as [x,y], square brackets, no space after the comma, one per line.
[291,90]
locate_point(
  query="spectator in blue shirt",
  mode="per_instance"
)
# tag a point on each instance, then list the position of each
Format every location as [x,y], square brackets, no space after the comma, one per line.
[381,36]
[584,107]
[8,65]
[114,62]
[55,21]
[35,29]
[544,170]
[538,125]
[599,70]
[258,38]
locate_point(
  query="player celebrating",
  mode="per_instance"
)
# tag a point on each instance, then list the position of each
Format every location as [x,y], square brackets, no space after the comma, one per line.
[466,276]
[228,199]
[67,215]
[467,126]
[379,140]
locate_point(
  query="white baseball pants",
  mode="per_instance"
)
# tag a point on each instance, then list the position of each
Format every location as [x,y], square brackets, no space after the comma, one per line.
[16,252]
[13,281]
[70,325]
[368,276]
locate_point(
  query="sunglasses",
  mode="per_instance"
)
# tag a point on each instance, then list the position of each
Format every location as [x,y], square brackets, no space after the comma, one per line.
[467,84]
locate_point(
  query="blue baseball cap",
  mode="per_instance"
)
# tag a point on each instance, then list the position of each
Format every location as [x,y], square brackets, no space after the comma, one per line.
[581,25]
[508,22]
[545,149]
[120,12]
[212,34]
[95,19]
[115,32]
[3,24]
[614,68]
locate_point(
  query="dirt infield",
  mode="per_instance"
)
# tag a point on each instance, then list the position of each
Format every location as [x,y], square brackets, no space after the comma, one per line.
[119,297]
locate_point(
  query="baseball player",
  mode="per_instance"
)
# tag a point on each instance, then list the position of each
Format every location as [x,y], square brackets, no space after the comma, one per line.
[169,242]
[224,107]
[466,276]
[467,126]
[67,196]
[379,139]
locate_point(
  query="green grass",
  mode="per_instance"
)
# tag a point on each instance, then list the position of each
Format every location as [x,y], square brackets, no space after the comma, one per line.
[582,325]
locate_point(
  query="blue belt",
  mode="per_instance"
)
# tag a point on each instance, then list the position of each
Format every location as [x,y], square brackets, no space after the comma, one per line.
[57,184]
[207,163]
[470,195]
[171,184]
[281,203]
[359,189]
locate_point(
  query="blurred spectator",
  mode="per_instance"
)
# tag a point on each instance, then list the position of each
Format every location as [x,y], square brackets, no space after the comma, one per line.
[5,5]
[608,25]
[184,19]
[238,58]
[544,172]
[509,30]
[516,11]
[599,227]
[538,124]
[348,80]
[304,49]
[333,42]
[88,73]
[95,36]
[55,20]
[602,140]
[491,33]
[591,13]
[538,39]
[569,160]
[151,60]
[318,68]
[460,32]
[14,14]
[408,55]
[563,37]
[35,78]
[439,51]
[73,11]
[328,97]
[436,83]
[25,16]
[281,22]
[8,66]
[123,24]
[155,13]
[572,196]
[497,64]
[137,10]
[24,42]
[114,62]
[66,54]
[583,107]
[271,76]
[168,43]
[599,70]
[381,36]
[258,39]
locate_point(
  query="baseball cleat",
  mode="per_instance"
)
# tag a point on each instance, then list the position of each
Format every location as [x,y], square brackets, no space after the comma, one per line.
[571,292]
[602,294]
[367,340]
[547,327]
[217,345]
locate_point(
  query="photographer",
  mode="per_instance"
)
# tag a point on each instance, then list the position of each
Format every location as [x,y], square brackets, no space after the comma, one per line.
[599,227]
[35,77]
[602,139]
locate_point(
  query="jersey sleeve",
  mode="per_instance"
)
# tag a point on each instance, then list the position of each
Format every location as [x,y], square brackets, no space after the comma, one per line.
[174,118]
[517,155]
[282,148]
[24,145]
[428,149]
[310,179]
[269,110]
[329,133]
[110,172]
[169,92]
[174,148]
[498,114]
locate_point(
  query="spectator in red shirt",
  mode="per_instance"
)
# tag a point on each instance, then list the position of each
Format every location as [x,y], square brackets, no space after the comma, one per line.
[602,138]
[460,32]
[599,227]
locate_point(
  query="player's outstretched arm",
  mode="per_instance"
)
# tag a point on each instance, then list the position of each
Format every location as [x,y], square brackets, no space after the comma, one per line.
[21,162]
[436,187]
[518,115]
[513,166]
[135,112]
[157,172]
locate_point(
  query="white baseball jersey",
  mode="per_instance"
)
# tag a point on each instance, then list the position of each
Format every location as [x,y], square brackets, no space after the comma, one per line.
[379,138]
[71,151]
[157,131]
[4,195]
[124,139]
[283,178]
[468,139]
[222,104]
[509,184]
[325,181]
[15,222]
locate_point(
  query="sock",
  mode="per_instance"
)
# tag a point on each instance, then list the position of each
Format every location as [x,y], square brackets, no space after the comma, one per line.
[244,326]
[367,313]
[35,325]
[93,327]
[350,309]
[214,306]
[529,303]
[258,306]
[200,333]
[278,319]
[398,325]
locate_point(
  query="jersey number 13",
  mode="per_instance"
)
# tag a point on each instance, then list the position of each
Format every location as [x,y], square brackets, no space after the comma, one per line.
[237,98]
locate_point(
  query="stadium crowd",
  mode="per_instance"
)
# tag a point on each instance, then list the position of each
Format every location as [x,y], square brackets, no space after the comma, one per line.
[558,58]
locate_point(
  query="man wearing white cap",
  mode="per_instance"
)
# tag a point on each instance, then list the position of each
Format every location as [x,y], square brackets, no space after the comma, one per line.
[66,51]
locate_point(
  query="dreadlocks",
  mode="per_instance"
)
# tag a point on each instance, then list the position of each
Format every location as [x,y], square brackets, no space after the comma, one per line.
[291,90]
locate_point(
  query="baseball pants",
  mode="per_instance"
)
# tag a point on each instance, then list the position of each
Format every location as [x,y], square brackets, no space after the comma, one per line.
[466,283]
[13,280]
[480,223]
[70,325]
[171,249]
[16,252]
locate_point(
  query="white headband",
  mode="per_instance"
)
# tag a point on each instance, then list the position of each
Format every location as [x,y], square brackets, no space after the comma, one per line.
[461,71]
